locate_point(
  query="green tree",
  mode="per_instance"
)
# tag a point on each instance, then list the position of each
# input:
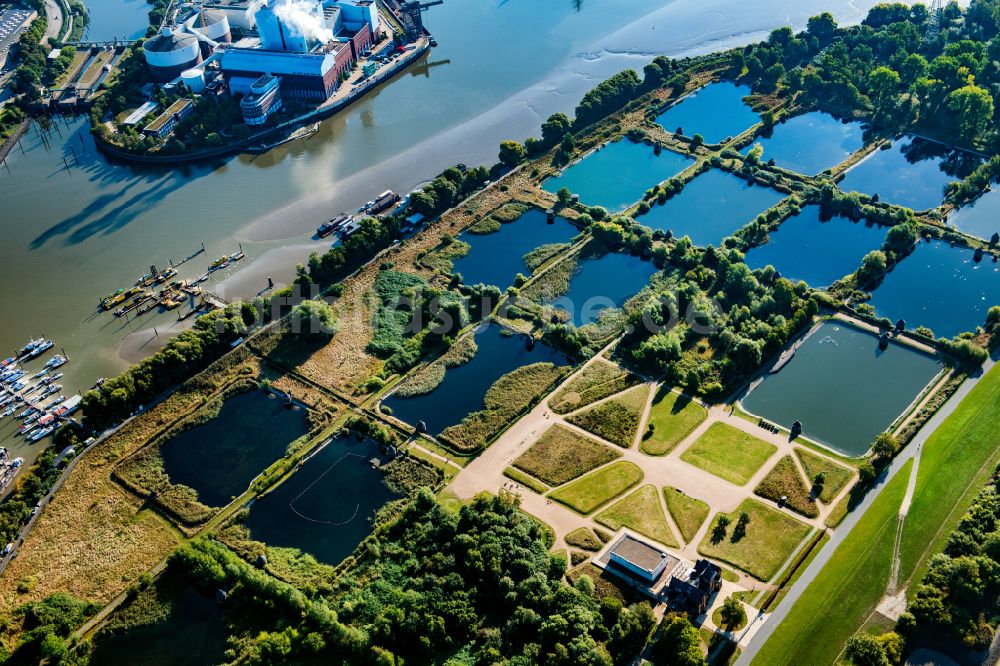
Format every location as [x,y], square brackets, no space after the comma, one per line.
[732,613]
[511,154]
[678,644]
[822,27]
[865,650]
[314,318]
[913,67]
[885,445]
[973,109]
[883,88]
[555,128]
[866,474]
[872,269]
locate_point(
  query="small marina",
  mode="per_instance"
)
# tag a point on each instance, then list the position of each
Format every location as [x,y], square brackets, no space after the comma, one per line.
[32,401]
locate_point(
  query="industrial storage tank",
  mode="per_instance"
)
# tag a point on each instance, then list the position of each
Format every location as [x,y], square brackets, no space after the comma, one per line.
[170,53]
[194,79]
[213,24]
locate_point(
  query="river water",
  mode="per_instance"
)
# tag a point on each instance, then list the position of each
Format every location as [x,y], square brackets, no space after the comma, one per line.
[75,230]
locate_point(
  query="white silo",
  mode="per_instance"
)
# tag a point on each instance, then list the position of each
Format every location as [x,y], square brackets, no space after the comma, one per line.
[213,24]
[194,79]
[170,53]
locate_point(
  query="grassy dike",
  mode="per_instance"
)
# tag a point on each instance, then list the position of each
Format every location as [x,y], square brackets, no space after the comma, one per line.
[955,463]
[844,593]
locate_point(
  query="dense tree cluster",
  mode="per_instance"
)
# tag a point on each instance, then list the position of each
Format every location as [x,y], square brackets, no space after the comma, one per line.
[607,97]
[957,597]
[713,301]
[45,627]
[183,356]
[479,585]
[35,69]
[447,189]
[894,68]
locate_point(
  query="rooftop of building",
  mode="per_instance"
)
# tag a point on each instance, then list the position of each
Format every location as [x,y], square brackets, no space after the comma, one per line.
[162,119]
[231,4]
[639,553]
[140,113]
[163,43]
[276,62]
[209,16]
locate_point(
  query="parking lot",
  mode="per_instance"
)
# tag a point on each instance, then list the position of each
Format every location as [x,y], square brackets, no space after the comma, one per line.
[13,21]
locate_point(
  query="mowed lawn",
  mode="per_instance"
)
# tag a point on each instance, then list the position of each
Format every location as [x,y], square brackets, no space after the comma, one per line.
[844,593]
[955,463]
[672,417]
[836,476]
[771,537]
[728,453]
[689,513]
[598,488]
[641,512]
[560,455]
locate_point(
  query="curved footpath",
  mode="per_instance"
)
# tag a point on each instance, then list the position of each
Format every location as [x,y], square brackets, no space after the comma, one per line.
[912,451]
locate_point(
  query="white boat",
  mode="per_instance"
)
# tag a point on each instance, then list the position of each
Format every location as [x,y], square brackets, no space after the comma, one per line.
[16,462]
[40,373]
[11,375]
[58,400]
[55,388]
[28,348]
[56,361]
[40,349]
[42,433]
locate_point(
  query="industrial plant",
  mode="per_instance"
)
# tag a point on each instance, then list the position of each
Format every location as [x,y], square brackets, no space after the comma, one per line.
[284,50]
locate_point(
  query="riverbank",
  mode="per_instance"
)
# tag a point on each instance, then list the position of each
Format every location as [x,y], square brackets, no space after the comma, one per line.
[11,141]
[346,96]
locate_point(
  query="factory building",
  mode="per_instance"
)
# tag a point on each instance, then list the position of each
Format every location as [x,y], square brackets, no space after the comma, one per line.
[170,53]
[239,13]
[304,76]
[263,99]
[358,14]
[308,51]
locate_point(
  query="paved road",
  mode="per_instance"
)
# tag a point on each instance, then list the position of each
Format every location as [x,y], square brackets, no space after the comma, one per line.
[912,450]
[54,15]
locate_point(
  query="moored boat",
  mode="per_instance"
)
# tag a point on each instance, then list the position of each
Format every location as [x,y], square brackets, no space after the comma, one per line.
[56,361]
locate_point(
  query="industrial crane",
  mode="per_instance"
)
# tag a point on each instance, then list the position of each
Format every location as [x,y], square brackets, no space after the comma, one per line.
[414,12]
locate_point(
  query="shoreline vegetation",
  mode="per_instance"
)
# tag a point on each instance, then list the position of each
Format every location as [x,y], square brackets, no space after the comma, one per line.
[477,582]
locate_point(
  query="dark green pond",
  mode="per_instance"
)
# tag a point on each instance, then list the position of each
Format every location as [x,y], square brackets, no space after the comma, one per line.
[193,635]
[711,207]
[940,287]
[716,111]
[465,386]
[498,257]
[220,458]
[817,251]
[811,142]
[326,507]
[913,172]
[980,217]
[602,283]
[842,388]
[617,175]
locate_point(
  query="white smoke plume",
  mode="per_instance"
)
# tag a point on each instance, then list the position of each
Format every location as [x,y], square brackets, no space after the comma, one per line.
[305,18]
